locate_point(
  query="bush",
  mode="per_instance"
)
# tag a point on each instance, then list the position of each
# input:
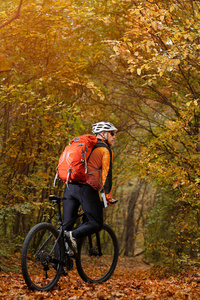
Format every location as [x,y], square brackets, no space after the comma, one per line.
[172,231]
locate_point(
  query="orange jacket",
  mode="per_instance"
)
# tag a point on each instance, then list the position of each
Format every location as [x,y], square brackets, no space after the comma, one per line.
[101,160]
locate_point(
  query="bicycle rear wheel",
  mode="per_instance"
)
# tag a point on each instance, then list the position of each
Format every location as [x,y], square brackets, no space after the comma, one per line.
[40,260]
[94,263]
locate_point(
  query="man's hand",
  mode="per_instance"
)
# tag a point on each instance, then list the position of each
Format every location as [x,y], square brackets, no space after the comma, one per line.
[111,201]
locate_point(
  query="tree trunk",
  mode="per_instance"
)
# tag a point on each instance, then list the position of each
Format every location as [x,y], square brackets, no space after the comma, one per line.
[130,224]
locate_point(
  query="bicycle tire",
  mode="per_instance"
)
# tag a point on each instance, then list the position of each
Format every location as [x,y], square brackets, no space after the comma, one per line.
[95,267]
[41,269]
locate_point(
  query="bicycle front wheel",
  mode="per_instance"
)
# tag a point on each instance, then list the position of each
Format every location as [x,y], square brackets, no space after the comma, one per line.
[41,257]
[97,255]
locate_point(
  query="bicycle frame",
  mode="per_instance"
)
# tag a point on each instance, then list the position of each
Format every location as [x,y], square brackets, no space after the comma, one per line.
[45,254]
[57,200]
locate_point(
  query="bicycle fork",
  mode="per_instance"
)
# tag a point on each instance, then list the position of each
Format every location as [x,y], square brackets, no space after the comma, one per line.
[92,250]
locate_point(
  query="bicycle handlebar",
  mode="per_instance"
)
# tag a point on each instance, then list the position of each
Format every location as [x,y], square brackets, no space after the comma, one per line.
[113,202]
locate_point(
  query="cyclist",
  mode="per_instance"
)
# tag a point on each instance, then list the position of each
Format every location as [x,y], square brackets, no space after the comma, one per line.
[86,193]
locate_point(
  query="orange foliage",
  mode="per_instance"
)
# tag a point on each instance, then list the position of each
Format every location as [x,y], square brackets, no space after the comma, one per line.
[131,280]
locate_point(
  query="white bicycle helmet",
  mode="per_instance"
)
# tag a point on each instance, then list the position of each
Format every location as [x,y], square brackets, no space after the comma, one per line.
[103,126]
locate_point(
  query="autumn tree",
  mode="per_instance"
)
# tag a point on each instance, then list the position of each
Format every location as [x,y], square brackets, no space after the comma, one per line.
[161,103]
[66,64]
[48,54]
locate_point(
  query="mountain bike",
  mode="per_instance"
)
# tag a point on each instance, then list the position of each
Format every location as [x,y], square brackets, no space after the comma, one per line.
[46,255]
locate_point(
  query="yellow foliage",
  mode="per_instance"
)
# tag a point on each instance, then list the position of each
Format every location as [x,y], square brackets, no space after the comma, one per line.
[5,63]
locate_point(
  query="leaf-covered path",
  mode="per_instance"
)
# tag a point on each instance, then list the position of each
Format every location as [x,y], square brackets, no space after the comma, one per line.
[131,280]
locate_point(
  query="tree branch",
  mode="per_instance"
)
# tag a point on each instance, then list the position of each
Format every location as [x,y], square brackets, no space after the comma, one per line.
[13,18]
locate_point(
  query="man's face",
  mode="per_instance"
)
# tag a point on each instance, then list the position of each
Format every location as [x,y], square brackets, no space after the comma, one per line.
[110,136]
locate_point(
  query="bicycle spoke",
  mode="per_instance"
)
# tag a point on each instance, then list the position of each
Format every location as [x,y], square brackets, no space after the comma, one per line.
[40,258]
[96,263]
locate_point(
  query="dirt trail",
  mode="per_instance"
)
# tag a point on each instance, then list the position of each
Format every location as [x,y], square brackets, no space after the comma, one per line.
[132,279]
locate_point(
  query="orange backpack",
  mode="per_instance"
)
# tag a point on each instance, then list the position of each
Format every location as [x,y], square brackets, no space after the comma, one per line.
[72,165]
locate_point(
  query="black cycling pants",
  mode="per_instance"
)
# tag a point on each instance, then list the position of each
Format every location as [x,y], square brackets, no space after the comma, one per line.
[84,195]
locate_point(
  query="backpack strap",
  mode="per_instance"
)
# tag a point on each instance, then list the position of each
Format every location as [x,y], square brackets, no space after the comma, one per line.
[99,143]
[90,173]
[108,182]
